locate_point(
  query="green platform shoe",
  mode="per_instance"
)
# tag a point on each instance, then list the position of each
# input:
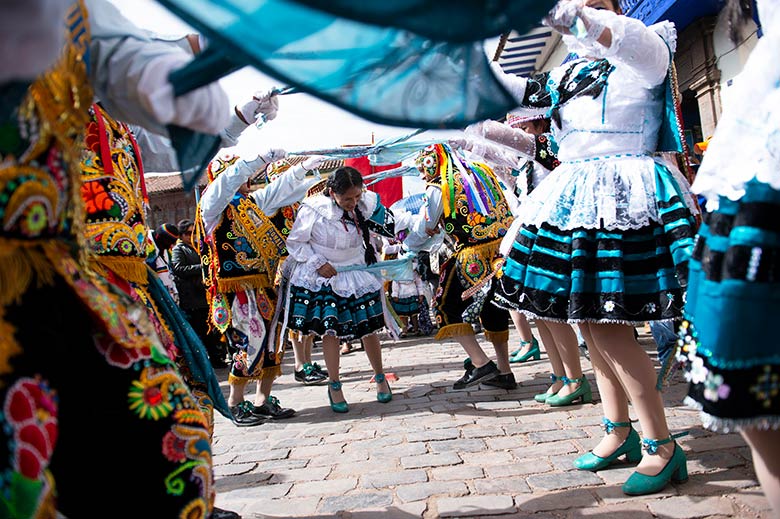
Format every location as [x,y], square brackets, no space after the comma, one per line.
[583,393]
[533,354]
[383,397]
[676,470]
[542,397]
[337,407]
[630,447]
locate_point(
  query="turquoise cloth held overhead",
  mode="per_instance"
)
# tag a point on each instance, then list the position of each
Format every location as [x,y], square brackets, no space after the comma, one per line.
[449,20]
[387,75]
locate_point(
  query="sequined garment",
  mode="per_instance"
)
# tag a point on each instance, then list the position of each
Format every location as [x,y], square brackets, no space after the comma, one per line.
[138,435]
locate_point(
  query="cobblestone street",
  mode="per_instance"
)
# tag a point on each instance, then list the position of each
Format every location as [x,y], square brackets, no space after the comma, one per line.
[435,452]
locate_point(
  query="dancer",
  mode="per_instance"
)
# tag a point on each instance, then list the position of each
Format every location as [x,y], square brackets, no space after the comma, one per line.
[531,139]
[243,250]
[605,242]
[733,364]
[332,231]
[465,200]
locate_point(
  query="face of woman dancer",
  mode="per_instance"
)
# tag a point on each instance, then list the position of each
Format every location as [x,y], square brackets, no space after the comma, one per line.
[609,5]
[349,199]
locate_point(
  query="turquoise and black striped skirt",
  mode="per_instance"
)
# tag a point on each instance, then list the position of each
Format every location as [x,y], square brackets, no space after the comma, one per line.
[599,275]
[406,305]
[729,338]
[326,313]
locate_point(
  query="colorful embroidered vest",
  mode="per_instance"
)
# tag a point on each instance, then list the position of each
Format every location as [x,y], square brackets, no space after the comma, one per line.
[475,212]
[248,247]
[114,196]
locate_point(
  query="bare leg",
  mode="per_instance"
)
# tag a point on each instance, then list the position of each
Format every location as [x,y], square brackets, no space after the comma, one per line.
[308,344]
[263,390]
[404,324]
[236,395]
[374,353]
[552,353]
[299,351]
[635,371]
[524,330]
[415,324]
[502,356]
[614,401]
[330,351]
[473,350]
[567,347]
[765,448]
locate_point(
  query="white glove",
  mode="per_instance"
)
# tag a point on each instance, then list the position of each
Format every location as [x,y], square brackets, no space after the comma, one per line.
[563,15]
[262,105]
[205,109]
[264,159]
[460,143]
[314,162]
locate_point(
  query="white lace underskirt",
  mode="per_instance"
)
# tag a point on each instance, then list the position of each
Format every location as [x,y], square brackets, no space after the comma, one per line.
[610,193]
[345,284]
[746,144]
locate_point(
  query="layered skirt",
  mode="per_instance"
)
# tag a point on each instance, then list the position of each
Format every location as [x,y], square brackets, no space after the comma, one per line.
[604,241]
[731,355]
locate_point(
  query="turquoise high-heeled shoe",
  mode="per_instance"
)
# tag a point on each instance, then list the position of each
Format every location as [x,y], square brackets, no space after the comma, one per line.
[676,470]
[542,397]
[337,407]
[583,392]
[383,397]
[534,353]
[630,447]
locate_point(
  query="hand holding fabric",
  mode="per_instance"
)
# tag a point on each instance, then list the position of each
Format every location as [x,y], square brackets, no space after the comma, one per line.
[264,159]
[314,162]
[563,16]
[262,105]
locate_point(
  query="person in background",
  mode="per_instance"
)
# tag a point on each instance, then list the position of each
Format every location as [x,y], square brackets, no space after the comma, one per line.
[188,277]
[158,254]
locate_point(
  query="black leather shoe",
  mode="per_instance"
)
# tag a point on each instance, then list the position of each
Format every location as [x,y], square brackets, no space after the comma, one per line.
[271,409]
[477,375]
[310,376]
[218,513]
[243,415]
[504,381]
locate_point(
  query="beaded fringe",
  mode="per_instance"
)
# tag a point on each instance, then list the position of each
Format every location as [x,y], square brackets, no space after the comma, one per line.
[727,425]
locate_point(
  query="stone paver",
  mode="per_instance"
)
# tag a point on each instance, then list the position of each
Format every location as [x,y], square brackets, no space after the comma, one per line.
[480,453]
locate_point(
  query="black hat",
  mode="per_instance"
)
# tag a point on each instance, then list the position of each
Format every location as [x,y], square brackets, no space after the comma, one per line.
[166,235]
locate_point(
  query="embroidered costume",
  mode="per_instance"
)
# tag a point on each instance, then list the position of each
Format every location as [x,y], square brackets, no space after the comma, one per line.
[350,304]
[728,342]
[115,205]
[242,250]
[466,200]
[130,420]
[607,238]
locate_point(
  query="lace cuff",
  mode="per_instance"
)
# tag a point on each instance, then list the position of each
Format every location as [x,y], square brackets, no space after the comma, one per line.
[516,140]
[316,261]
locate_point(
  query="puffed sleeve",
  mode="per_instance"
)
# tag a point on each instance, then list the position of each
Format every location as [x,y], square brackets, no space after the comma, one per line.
[640,48]
[298,241]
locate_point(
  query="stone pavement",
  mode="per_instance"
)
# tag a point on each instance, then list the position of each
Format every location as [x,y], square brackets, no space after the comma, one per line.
[434,452]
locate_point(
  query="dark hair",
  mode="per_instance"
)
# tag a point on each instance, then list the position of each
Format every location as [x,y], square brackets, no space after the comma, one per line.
[165,236]
[339,182]
[616,6]
[183,225]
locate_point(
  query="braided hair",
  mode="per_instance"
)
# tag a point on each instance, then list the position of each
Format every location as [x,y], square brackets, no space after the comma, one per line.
[339,183]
